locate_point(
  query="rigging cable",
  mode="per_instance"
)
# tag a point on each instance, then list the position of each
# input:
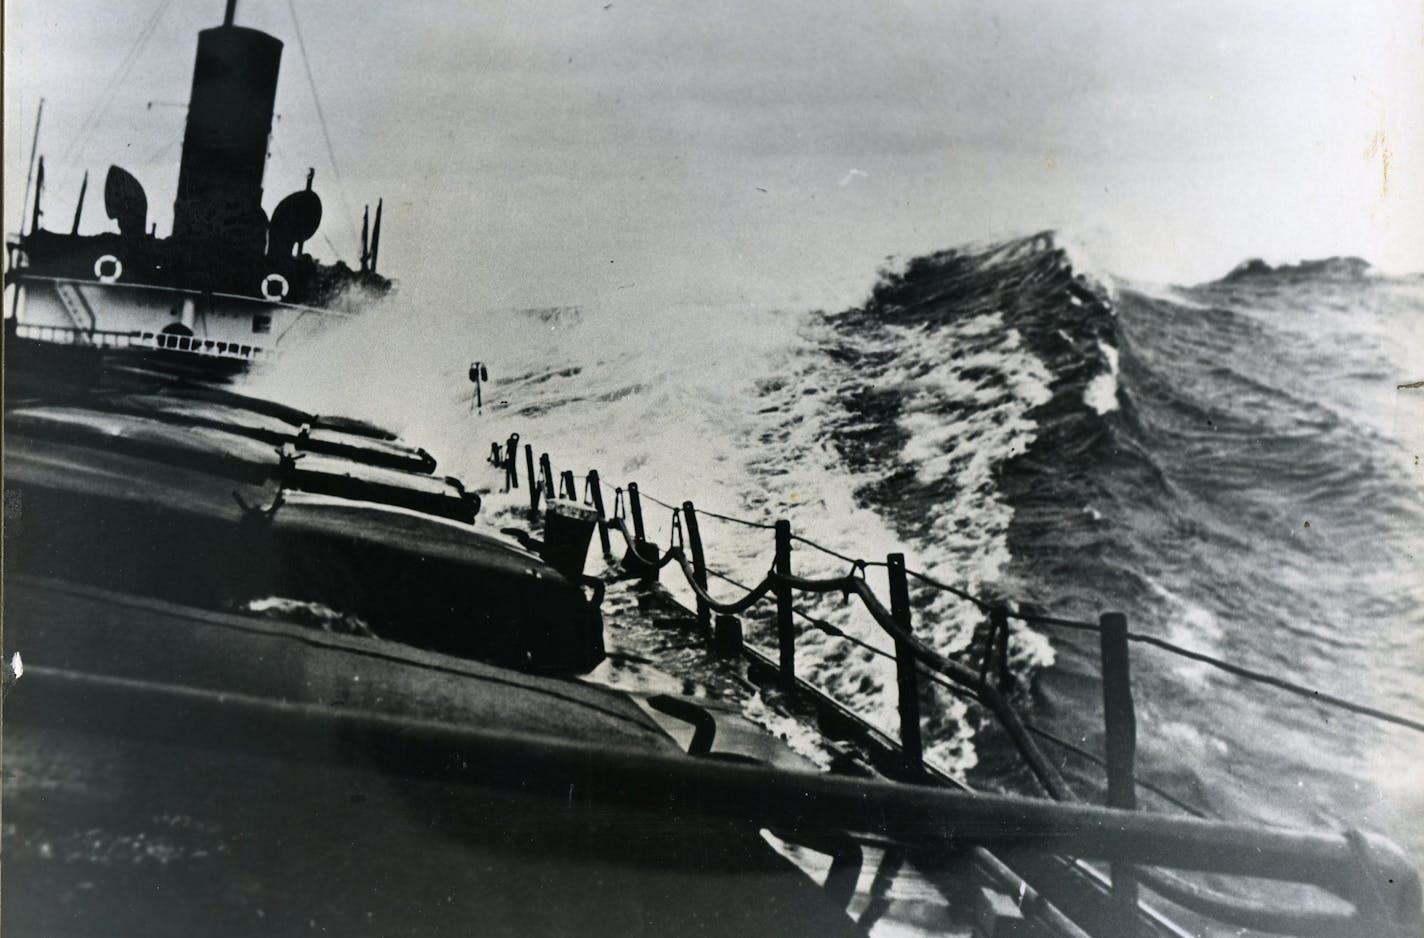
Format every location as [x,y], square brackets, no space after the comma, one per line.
[30,175]
[96,113]
[321,119]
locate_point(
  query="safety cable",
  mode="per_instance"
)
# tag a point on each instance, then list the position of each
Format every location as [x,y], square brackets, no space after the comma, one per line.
[1172,648]
[1047,774]
[1281,683]
[619,525]
[644,493]
[952,590]
[742,521]
[703,512]
[1247,674]
[836,632]
[755,594]
[831,552]
[935,667]
[826,550]
[1234,669]
[821,625]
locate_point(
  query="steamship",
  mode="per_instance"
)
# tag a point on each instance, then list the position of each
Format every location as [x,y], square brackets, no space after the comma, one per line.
[268,672]
[229,282]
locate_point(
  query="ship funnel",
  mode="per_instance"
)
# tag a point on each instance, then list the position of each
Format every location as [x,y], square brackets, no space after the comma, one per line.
[219,203]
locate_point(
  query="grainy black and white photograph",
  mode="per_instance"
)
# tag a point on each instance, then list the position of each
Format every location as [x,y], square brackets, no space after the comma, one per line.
[612,468]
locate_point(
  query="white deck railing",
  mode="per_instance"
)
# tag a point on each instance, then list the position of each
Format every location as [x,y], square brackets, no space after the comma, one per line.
[109,339]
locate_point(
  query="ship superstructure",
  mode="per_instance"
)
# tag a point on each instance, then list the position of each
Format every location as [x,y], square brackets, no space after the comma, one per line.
[229,281]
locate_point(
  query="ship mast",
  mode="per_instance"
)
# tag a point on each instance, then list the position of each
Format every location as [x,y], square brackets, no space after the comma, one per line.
[231,11]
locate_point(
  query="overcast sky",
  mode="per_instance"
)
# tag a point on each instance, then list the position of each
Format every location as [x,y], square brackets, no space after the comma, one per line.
[770,153]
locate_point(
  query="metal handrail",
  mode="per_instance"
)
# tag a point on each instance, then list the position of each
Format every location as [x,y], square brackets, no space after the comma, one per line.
[1371,873]
[1315,695]
[119,339]
[1362,882]
[1046,773]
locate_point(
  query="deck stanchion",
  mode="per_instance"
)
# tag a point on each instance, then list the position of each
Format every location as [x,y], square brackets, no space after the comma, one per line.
[1121,752]
[635,508]
[533,479]
[699,564]
[785,631]
[548,474]
[511,460]
[640,546]
[595,490]
[906,673]
[567,486]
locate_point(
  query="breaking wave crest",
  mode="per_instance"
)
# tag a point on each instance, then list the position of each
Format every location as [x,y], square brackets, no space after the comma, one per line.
[1222,462]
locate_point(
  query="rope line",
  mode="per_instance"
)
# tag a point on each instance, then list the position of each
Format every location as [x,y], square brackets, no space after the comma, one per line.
[936,667]
[845,585]
[820,625]
[732,608]
[1045,772]
[963,693]
[619,525]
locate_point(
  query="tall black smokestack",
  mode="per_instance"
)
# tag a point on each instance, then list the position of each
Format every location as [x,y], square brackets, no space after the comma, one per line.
[225,143]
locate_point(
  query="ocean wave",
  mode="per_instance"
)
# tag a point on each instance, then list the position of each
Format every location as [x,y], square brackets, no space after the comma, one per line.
[1222,462]
[1101,392]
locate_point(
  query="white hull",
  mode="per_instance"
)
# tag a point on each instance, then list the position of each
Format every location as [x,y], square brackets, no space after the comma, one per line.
[113,315]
